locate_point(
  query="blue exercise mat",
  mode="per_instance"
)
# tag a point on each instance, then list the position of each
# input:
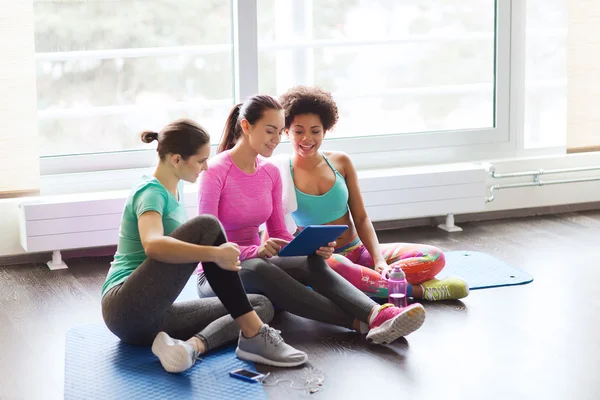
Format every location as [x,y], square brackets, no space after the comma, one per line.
[482,271]
[99,366]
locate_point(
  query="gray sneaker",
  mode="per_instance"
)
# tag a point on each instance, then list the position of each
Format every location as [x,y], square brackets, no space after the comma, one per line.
[268,347]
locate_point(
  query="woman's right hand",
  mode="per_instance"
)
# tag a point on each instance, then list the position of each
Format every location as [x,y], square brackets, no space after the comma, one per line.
[228,257]
[271,247]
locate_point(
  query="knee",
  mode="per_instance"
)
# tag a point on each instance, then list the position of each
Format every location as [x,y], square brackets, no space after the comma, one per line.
[259,275]
[436,254]
[262,306]
[317,263]
[258,266]
[208,222]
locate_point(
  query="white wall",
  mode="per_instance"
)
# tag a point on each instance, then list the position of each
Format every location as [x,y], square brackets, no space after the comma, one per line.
[583,74]
[508,199]
[19,152]
[9,228]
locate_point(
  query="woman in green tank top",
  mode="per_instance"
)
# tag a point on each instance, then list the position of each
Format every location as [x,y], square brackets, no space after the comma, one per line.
[159,250]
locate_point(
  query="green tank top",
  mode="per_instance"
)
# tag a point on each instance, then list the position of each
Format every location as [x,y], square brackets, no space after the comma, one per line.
[147,195]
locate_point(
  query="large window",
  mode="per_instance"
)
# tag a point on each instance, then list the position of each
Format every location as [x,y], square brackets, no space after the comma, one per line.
[394,66]
[416,81]
[108,69]
[546,73]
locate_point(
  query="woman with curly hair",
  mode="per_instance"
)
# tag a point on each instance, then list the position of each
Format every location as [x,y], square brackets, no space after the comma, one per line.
[323,189]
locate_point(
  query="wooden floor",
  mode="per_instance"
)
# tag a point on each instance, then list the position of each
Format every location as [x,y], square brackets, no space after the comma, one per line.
[537,341]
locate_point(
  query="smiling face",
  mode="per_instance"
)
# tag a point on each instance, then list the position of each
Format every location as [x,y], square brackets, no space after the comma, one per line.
[306,134]
[189,170]
[265,135]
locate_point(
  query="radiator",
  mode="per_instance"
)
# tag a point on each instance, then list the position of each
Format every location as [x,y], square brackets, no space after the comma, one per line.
[76,221]
[429,191]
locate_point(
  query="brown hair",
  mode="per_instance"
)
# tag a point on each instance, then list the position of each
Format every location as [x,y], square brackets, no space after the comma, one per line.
[251,110]
[309,100]
[183,137]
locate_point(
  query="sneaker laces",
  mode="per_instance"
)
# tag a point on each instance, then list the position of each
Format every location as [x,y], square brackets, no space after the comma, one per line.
[437,293]
[196,357]
[273,336]
[195,354]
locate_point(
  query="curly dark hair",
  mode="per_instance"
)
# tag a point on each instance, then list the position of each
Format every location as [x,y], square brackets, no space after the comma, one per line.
[309,100]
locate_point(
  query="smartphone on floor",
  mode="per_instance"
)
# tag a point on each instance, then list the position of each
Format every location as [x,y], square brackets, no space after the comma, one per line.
[246,375]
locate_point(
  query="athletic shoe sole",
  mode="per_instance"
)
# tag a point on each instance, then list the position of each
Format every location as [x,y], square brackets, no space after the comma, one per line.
[409,320]
[174,358]
[244,355]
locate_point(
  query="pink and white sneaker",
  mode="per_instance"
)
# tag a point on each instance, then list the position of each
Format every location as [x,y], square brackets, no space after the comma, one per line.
[392,323]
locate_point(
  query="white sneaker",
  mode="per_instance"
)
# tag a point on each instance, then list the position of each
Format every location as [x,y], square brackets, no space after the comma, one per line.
[268,347]
[175,355]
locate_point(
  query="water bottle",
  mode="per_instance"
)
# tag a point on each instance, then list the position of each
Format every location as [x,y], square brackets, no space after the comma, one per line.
[397,287]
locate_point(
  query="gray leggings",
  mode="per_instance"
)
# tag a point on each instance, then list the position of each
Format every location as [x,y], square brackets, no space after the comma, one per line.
[284,279]
[143,305]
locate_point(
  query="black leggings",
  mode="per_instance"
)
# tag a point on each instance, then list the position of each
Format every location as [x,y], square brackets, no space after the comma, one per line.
[283,280]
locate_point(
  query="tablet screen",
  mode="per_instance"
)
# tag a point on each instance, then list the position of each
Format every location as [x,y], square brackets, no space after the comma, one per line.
[311,238]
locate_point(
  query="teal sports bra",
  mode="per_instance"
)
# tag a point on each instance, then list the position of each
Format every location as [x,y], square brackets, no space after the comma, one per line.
[321,209]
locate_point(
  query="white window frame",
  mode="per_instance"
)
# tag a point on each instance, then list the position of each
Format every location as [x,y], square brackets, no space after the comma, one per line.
[503,140]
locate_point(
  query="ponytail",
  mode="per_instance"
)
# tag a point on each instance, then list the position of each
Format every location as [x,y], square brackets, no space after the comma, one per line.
[251,110]
[232,130]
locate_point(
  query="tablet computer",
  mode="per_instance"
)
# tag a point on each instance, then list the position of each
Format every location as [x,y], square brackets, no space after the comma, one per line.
[311,238]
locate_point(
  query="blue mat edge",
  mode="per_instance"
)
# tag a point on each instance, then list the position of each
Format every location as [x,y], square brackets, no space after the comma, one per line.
[529,278]
[502,285]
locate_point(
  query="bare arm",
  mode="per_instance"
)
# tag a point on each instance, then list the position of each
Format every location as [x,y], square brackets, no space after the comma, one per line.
[170,250]
[364,226]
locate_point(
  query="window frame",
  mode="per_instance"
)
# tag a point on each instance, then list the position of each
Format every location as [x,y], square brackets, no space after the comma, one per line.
[503,140]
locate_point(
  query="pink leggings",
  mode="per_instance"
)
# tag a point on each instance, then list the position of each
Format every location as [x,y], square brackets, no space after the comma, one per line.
[419,262]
